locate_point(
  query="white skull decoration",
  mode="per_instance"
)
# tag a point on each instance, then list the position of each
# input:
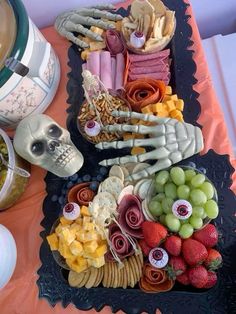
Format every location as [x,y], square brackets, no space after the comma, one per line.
[41,141]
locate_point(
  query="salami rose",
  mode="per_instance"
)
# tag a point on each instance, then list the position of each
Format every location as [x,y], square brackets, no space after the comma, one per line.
[131,216]
[155,280]
[143,92]
[114,42]
[120,243]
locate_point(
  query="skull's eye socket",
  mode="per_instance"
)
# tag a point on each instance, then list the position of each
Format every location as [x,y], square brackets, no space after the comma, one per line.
[54,131]
[37,148]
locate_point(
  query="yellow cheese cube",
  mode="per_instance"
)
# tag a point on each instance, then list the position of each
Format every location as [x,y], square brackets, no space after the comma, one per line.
[85,54]
[98,262]
[92,235]
[90,247]
[168,90]
[163,114]
[147,109]
[174,97]
[79,221]
[89,226]
[74,228]
[86,220]
[166,98]
[81,236]
[77,266]
[97,30]
[65,221]
[65,250]
[53,241]
[68,236]
[138,150]
[157,107]
[101,250]
[170,105]
[179,104]
[84,211]
[76,248]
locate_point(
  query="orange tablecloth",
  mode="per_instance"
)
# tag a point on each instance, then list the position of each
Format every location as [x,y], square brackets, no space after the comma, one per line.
[20,296]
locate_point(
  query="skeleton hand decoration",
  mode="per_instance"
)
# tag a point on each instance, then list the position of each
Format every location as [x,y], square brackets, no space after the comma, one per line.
[41,141]
[172,141]
[73,21]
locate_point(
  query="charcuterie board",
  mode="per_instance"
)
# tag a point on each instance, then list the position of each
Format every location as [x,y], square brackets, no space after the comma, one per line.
[53,279]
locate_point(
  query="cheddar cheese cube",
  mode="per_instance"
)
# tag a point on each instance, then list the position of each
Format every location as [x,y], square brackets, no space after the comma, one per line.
[90,247]
[170,105]
[53,241]
[92,235]
[80,236]
[65,250]
[168,90]
[99,252]
[68,236]
[89,226]
[84,211]
[98,262]
[65,221]
[86,220]
[76,248]
[79,221]
[179,104]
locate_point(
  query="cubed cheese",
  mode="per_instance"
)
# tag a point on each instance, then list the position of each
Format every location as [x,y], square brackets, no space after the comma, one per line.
[90,247]
[76,248]
[98,262]
[68,236]
[53,241]
[84,211]
[65,221]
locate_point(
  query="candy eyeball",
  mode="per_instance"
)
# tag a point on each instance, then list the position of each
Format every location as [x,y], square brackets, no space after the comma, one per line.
[182,209]
[158,257]
[92,128]
[137,39]
[71,211]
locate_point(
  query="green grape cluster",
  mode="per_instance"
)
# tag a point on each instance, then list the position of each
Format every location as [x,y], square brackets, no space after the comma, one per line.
[3,169]
[186,184]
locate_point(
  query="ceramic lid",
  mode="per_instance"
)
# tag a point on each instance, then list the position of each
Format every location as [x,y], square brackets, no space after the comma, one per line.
[7,30]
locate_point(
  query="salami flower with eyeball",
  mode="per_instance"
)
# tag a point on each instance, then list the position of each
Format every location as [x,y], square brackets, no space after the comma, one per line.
[130,216]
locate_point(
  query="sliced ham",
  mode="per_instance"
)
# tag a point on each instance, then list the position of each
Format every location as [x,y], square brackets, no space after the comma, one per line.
[161,54]
[120,68]
[93,63]
[145,70]
[105,69]
[113,72]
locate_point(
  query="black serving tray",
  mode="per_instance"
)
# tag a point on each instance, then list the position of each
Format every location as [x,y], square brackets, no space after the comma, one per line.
[52,281]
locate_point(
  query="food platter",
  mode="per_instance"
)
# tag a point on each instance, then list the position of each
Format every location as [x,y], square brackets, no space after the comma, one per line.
[52,281]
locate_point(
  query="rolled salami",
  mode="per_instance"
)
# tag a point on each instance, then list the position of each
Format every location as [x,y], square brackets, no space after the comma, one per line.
[105,69]
[160,54]
[141,70]
[120,68]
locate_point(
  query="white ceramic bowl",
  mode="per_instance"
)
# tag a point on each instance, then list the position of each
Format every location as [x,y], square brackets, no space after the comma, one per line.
[8,256]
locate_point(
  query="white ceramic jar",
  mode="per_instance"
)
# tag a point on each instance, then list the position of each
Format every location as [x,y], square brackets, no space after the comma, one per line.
[8,256]
[32,90]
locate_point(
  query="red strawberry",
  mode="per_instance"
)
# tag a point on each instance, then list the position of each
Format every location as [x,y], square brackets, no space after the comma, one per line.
[144,247]
[183,279]
[212,280]
[173,245]
[176,267]
[153,233]
[194,252]
[214,259]
[198,276]
[207,236]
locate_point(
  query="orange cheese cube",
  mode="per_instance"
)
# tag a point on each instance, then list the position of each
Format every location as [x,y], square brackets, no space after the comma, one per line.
[80,236]
[68,236]
[92,235]
[170,105]
[147,109]
[139,136]
[138,150]
[53,241]
[78,265]
[174,97]
[163,114]
[79,221]
[84,211]
[157,107]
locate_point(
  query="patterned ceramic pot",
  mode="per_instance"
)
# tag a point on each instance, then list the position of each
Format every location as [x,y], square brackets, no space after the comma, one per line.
[29,67]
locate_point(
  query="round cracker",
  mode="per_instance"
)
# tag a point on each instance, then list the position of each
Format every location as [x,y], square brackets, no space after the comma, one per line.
[116,276]
[140,266]
[137,269]
[74,278]
[109,280]
[85,279]
[140,166]
[121,275]
[92,278]
[132,274]
[144,188]
[116,171]
[130,166]
[102,200]
[125,276]
[113,185]
[104,281]
[134,270]
[125,172]
[99,276]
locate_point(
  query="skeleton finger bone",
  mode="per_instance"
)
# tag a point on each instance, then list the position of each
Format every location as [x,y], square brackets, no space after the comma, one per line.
[105,7]
[74,39]
[101,14]
[89,21]
[70,26]
[139,116]
[131,143]
[142,129]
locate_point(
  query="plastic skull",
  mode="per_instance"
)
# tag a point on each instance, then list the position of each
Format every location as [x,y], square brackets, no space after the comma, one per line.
[41,141]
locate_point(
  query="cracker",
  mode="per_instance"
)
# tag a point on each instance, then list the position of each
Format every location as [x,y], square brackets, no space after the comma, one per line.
[140,266]
[113,185]
[116,171]
[132,273]
[169,23]
[159,6]
[116,276]
[109,280]
[130,166]
[103,200]
[74,278]
[105,277]
[92,277]
[143,188]
[100,276]
[126,276]
[85,279]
